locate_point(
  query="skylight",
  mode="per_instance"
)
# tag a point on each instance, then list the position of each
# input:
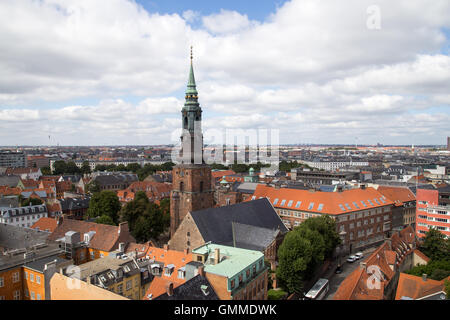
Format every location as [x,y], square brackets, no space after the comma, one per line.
[297,205]
[311,205]
[282,202]
[370,202]
[275,201]
[342,207]
[356,205]
[376,200]
[348,206]
[290,203]
[320,207]
[364,204]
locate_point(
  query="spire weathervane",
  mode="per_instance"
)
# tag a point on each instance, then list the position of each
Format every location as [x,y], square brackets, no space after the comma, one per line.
[191,54]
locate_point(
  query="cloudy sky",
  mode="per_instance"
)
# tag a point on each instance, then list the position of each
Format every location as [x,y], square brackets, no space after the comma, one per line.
[110,72]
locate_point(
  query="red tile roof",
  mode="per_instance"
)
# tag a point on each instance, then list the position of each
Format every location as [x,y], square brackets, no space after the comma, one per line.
[398,195]
[177,258]
[220,174]
[414,287]
[30,183]
[106,238]
[45,224]
[19,171]
[360,285]
[332,202]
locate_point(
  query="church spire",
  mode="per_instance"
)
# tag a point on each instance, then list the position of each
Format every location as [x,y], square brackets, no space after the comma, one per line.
[191,86]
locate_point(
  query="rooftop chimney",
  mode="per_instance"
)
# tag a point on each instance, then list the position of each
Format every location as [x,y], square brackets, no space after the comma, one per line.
[424,277]
[122,247]
[169,289]
[166,247]
[363,186]
[186,251]
[201,271]
[123,227]
[363,265]
[216,256]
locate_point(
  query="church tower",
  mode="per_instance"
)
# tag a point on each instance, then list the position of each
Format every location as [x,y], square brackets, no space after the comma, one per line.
[191,179]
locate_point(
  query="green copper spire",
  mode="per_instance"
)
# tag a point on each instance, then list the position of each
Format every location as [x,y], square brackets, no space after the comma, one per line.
[191,87]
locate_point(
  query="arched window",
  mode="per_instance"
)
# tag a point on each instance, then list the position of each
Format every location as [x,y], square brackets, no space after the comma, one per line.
[181,186]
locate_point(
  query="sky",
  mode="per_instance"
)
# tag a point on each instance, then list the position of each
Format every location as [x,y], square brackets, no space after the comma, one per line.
[114,72]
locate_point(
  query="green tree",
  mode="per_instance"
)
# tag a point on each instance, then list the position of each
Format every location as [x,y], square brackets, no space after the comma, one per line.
[30,201]
[46,171]
[59,167]
[133,167]
[435,245]
[93,187]
[327,228]
[219,166]
[85,168]
[164,205]
[104,203]
[104,219]
[146,220]
[294,257]
[72,168]
[435,269]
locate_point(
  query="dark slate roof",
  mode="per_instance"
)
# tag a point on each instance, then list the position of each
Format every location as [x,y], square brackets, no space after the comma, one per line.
[253,238]
[109,179]
[74,203]
[9,201]
[215,224]
[72,178]
[39,264]
[192,290]
[9,180]
[13,237]
[444,189]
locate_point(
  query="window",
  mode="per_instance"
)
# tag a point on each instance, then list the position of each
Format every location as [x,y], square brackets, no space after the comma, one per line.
[120,289]
[311,205]
[39,296]
[297,205]
[282,202]
[38,279]
[290,203]
[275,201]
[129,285]
[320,207]
[2,282]
[31,277]
[101,255]
[26,293]
[92,255]
[232,284]
[17,295]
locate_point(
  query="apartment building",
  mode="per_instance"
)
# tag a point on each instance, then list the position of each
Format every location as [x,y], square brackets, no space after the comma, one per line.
[234,273]
[433,210]
[13,159]
[363,216]
[23,217]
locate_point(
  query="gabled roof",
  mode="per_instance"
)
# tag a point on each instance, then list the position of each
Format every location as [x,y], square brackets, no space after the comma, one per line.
[197,288]
[215,224]
[45,224]
[398,195]
[9,180]
[251,237]
[333,203]
[415,287]
[106,238]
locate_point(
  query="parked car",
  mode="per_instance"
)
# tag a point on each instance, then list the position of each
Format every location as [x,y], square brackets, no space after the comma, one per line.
[359,255]
[352,259]
[338,270]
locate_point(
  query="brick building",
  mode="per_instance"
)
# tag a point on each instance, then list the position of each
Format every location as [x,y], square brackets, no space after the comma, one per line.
[192,189]
[404,210]
[363,216]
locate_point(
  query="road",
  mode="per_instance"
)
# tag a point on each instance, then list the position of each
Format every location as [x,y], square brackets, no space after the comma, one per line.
[335,280]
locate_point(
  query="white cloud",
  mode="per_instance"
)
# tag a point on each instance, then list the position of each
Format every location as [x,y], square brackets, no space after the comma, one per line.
[312,69]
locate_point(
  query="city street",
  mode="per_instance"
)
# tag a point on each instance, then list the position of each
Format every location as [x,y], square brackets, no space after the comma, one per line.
[335,280]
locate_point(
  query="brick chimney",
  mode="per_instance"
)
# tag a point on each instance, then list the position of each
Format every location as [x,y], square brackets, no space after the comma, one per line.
[216,256]
[169,289]
[123,227]
[201,271]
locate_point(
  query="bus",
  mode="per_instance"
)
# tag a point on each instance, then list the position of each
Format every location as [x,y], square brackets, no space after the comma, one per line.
[319,290]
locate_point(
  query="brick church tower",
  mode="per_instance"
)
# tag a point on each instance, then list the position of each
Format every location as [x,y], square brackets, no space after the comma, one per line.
[191,179]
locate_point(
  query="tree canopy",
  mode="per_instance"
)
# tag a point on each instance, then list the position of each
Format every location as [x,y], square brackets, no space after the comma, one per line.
[303,250]
[146,220]
[435,245]
[104,203]
[62,167]
[104,219]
